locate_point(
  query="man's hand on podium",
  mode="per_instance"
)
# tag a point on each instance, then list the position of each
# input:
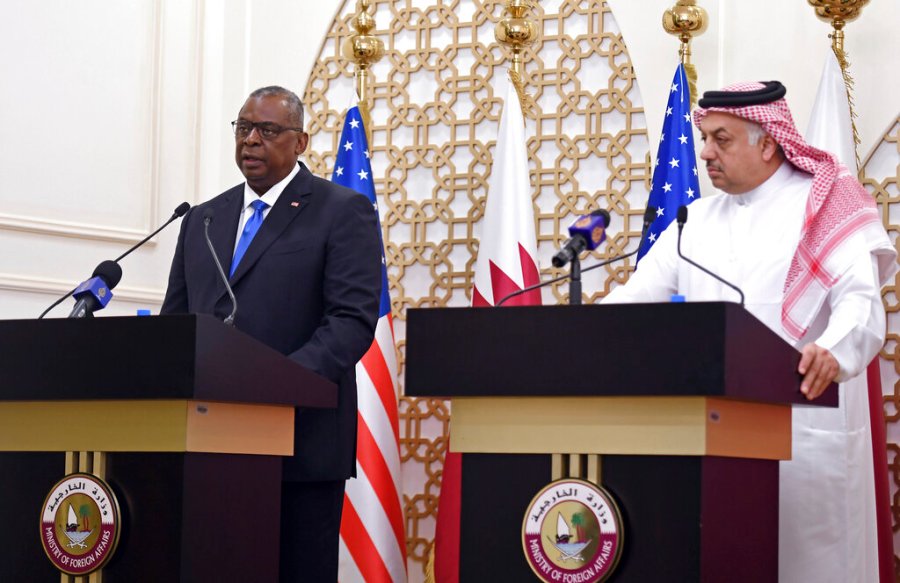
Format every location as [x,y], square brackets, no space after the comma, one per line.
[819,369]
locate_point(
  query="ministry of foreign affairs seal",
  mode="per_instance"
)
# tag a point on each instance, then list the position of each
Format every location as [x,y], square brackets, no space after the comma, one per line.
[572,533]
[80,524]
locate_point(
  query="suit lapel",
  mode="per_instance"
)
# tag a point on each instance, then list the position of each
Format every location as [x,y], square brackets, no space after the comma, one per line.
[292,201]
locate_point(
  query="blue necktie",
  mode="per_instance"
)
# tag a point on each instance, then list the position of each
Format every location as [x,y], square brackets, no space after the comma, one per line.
[250,229]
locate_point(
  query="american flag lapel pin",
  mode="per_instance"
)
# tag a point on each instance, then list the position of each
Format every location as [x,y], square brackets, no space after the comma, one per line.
[295,204]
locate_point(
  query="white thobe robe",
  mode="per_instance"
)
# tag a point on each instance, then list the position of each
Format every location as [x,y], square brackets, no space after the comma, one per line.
[826,492]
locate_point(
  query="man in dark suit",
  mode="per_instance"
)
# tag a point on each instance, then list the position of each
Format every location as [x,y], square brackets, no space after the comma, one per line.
[306,271]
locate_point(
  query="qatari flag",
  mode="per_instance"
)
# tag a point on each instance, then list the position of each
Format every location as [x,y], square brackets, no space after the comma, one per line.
[507,262]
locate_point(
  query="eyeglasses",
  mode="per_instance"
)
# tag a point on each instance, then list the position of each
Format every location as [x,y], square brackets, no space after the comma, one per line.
[266,130]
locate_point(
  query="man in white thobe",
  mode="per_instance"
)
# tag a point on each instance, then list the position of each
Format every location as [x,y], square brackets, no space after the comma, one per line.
[802,239]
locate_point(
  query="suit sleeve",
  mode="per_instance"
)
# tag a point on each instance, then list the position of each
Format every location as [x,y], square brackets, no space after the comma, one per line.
[351,289]
[176,300]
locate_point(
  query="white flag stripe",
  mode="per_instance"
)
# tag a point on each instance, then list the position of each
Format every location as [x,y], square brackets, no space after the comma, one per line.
[376,418]
[508,208]
[384,336]
[348,571]
[375,520]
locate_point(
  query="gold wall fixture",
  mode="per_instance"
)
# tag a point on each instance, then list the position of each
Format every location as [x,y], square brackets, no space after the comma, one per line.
[686,20]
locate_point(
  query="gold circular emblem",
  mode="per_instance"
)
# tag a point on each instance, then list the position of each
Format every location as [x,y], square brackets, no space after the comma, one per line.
[572,532]
[80,524]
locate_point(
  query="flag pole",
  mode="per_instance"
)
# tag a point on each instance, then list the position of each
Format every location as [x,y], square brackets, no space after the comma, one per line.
[516,32]
[838,13]
[686,20]
[364,49]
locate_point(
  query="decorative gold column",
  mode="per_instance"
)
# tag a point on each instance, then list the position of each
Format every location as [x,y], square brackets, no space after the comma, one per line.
[364,49]
[686,20]
[839,13]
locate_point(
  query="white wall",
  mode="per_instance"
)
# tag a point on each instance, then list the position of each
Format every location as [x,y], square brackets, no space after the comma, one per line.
[114,112]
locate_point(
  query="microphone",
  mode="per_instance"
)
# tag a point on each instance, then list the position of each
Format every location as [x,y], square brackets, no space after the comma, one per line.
[179,211]
[587,232]
[681,219]
[649,216]
[208,214]
[95,293]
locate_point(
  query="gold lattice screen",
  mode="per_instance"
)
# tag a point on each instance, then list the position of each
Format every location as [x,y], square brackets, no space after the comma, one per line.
[434,126]
[881,176]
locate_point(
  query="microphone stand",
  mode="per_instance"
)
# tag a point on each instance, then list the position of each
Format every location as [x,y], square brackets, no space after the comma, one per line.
[229,320]
[681,220]
[649,214]
[575,282]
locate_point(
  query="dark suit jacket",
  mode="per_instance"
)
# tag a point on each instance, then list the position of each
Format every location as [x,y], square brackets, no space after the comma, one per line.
[308,286]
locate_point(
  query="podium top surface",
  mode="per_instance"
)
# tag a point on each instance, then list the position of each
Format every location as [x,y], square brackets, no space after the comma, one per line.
[680,349]
[157,357]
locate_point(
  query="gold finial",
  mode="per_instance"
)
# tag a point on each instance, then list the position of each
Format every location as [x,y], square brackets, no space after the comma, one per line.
[516,32]
[686,20]
[364,49]
[839,13]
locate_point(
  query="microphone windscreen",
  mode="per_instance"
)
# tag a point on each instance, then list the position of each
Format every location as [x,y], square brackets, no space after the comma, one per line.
[682,214]
[591,227]
[110,272]
[649,214]
[181,209]
[208,214]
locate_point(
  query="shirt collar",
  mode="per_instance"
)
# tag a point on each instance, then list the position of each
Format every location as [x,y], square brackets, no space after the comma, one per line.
[273,193]
[770,187]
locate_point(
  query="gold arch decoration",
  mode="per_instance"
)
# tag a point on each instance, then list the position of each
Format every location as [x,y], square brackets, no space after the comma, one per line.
[434,125]
[880,174]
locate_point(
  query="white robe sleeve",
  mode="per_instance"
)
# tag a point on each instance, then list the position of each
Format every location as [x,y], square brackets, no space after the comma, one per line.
[656,276]
[856,325]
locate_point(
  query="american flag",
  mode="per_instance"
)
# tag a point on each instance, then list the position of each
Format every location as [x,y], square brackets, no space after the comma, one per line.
[373,542]
[675,182]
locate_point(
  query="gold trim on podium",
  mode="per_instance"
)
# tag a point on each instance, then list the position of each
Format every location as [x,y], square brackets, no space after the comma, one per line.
[620,425]
[140,426]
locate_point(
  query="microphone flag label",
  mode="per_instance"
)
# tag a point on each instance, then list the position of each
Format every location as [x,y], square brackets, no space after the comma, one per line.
[572,531]
[592,227]
[96,287]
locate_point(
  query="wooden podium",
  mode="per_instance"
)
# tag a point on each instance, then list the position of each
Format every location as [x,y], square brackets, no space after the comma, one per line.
[681,411]
[184,417]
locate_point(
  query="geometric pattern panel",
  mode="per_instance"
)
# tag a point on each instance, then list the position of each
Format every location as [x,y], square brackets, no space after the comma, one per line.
[435,115]
[880,174]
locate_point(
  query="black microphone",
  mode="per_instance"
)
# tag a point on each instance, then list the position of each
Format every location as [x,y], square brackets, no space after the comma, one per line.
[649,216]
[208,214]
[681,219]
[95,293]
[587,232]
[179,211]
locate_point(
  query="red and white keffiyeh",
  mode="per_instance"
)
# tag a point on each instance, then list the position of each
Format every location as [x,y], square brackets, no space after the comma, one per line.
[838,209]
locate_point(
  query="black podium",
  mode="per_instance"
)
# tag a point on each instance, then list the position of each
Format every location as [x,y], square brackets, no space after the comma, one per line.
[681,411]
[185,418]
